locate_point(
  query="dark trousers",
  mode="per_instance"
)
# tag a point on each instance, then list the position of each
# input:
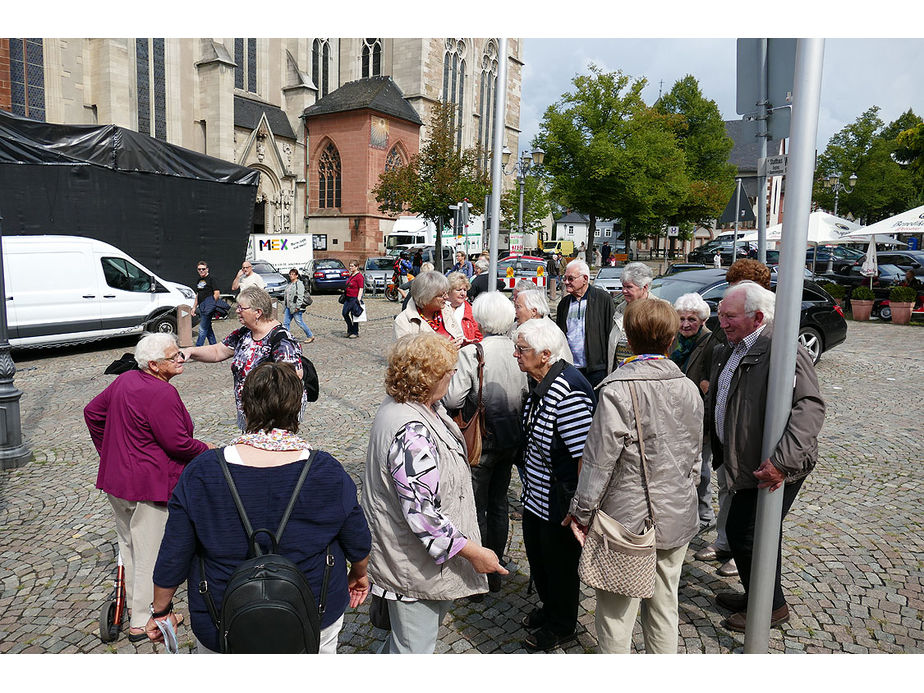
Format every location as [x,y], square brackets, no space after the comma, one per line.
[490,482]
[742,519]
[553,553]
[347,313]
[594,377]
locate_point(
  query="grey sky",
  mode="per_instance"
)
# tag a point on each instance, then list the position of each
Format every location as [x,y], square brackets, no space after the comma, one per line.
[858,73]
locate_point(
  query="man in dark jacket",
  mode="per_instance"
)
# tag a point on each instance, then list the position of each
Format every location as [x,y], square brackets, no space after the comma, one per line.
[480,280]
[585,315]
[735,408]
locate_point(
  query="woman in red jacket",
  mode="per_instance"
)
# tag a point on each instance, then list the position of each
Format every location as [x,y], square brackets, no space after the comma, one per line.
[353,305]
[458,301]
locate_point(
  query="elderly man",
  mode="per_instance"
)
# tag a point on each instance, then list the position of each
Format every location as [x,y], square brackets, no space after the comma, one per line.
[480,280]
[735,404]
[247,278]
[585,315]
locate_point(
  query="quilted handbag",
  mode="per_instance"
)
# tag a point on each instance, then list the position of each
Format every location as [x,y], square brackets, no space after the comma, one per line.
[615,559]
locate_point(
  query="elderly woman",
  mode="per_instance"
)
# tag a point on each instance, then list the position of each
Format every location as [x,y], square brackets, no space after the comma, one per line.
[636,278]
[251,344]
[144,437]
[462,309]
[265,464]
[692,353]
[294,304]
[503,389]
[428,309]
[417,492]
[533,305]
[556,418]
[669,414]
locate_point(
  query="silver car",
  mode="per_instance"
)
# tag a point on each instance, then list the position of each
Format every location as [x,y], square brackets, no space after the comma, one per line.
[378,271]
[610,280]
[275,282]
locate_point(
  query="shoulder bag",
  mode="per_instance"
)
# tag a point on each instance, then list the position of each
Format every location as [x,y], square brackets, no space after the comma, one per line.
[613,558]
[473,428]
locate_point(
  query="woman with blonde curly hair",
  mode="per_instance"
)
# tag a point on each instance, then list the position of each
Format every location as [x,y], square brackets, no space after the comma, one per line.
[417,494]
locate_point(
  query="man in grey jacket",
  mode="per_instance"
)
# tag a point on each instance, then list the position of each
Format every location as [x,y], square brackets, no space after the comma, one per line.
[736,403]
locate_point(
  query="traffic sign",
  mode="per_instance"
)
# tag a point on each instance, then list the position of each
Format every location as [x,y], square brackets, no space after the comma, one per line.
[772,165]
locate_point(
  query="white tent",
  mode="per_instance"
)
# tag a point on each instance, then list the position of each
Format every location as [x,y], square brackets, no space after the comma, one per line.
[823,228]
[911,221]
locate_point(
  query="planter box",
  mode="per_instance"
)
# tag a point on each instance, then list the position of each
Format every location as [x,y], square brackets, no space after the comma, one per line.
[901,312]
[860,310]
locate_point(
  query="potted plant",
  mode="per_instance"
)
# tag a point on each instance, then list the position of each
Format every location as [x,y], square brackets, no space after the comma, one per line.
[861,302]
[836,291]
[901,301]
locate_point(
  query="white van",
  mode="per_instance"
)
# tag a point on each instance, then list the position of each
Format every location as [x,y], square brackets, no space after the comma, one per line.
[68,289]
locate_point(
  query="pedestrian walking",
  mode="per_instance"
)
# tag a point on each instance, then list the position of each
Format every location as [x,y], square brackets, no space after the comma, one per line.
[296,300]
[205,289]
[353,305]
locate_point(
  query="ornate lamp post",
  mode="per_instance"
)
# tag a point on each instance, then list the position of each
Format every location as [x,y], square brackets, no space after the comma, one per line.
[834,181]
[13,452]
[521,167]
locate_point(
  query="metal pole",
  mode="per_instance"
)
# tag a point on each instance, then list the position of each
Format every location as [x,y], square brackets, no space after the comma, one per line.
[762,137]
[13,452]
[737,215]
[837,190]
[497,166]
[521,179]
[806,98]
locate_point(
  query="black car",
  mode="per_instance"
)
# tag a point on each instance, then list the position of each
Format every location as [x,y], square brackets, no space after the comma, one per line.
[678,267]
[706,252]
[843,258]
[903,259]
[821,324]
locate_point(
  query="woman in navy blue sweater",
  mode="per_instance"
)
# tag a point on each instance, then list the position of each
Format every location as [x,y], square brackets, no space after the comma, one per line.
[265,464]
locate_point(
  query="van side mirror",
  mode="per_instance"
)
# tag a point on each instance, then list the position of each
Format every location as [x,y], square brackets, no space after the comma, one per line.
[152,287]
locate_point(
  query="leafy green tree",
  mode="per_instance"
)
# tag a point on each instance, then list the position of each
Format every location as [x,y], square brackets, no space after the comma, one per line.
[536,205]
[608,155]
[910,150]
[438,176]
[700,132]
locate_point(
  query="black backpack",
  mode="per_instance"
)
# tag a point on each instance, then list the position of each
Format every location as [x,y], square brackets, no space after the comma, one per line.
[268,606]
[309,372]
[307,300]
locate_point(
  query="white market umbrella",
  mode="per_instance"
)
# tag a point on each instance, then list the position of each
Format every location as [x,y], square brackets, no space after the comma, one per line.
[822,228]
[911,221]
[870,265]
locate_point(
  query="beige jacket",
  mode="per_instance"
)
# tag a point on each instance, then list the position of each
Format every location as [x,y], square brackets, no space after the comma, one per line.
[671,411]
[409,321]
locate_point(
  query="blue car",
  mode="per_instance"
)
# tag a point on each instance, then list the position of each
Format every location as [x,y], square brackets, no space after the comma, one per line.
[326,274]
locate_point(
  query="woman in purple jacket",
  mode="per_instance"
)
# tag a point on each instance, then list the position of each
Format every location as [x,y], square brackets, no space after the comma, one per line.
[144,437]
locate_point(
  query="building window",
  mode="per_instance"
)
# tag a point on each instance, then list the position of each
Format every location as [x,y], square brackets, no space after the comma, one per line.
[372,57]
[27,78]
[151,87]
[608,232]
[329,178]
[487,96]
[320,66]
[394,160]
[245,60]
[454,83]
[570,230]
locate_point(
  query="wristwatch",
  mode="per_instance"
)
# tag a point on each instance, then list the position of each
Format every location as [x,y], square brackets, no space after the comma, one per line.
[161,614]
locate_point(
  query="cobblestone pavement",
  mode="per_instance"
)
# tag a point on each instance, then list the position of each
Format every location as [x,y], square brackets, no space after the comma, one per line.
[853,553]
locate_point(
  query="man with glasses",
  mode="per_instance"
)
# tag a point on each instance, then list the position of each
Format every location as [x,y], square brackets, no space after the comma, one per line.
[247,278]
[205,288]
[585,315]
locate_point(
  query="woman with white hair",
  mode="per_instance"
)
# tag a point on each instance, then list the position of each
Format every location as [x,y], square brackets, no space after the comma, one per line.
[692,352]
[636,278]
[428,309]
[503,388]
[556,418]
[459,285]
[533,305]
[144,436]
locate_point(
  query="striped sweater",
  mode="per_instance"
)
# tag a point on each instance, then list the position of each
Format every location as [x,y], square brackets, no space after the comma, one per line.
[556,419]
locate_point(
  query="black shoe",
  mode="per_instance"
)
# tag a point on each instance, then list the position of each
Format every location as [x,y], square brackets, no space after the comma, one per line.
[534,620]
[733,601]
[494,582]
[544,640]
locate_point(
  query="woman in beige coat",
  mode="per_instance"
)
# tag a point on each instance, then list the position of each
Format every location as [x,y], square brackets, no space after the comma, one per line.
[428,310]
[671,416]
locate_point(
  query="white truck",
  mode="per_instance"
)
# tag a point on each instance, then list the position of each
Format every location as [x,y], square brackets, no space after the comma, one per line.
[280,250]
[409,231]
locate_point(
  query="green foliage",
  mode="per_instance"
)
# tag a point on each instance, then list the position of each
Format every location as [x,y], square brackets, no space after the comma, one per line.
[911,149]
[438,176]
[862,293]
[902,294]
[536,205]
[834,290]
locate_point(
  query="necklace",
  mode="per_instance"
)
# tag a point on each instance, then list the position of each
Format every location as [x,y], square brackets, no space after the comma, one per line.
[276,439]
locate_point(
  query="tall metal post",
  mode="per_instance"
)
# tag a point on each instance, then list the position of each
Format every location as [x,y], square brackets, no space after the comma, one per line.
[13,452]
[497,165]
[737,216]
[762,137]
[521,179]
[804,130]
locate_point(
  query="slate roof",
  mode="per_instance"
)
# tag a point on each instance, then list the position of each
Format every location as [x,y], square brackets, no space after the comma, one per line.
[375,93]
[247,115]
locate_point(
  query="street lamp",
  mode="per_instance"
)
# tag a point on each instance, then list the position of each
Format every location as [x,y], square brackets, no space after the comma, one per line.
[521,167]
[834,181]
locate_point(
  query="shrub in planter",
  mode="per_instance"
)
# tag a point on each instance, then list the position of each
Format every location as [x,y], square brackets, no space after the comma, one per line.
[862,293]
[902,294]
[861,302]
[835,290]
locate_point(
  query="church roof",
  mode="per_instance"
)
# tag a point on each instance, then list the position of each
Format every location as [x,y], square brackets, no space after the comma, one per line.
[375,93]
[247,114]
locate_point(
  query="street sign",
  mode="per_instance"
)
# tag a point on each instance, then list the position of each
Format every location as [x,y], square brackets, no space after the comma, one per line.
[772,165]
[781,66]
[673,231]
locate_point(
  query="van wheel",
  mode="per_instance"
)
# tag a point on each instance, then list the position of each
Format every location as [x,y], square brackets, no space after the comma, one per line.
[164,325]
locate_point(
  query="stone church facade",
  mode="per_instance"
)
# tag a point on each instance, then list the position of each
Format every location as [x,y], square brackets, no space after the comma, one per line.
[250,101]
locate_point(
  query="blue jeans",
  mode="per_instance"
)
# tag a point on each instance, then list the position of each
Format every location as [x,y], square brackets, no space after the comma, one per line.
[205,330]
[349,318]
[287,316]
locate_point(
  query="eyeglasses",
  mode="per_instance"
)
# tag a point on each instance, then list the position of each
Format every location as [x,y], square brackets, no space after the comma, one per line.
[241,308]
[176,358]
[572,279]
[203,269]
[246,266]
[517,349]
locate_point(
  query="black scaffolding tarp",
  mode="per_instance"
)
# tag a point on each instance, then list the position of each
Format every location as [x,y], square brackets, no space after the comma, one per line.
[164,205]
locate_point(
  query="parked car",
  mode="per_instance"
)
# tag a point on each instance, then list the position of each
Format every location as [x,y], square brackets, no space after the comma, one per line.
[378,271]
[524,267]
[69,289]
[327,274]
[275,282]
[705,253]
[610,280]
[677,267]
[821,323]
[844,258]
[903,259]
[887,276]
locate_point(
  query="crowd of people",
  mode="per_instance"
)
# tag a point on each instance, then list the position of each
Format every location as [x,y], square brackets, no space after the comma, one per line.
[614,416]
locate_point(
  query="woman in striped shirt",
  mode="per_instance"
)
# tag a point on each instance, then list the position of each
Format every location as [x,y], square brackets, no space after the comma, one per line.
[556,419]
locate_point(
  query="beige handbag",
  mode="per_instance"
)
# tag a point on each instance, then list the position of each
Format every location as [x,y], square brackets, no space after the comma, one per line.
[613,558]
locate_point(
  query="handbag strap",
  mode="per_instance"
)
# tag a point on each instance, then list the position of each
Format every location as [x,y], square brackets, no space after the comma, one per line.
[641,448]
[480,350]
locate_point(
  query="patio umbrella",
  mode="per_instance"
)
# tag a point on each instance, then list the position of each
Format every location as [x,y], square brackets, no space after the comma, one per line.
[870,267]
[911,221]
[823,228]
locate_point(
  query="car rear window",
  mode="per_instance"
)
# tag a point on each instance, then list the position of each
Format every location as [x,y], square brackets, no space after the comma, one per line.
[380,263]
[329,264]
